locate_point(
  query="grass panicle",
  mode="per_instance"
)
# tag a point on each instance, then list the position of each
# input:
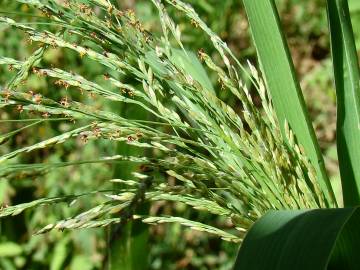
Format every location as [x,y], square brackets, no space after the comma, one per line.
[230,162]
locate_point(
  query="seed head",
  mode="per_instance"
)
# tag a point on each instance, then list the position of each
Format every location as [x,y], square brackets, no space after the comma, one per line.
[64,102]
[201,54]
[20,108]
[37,98]
[7,94]
[46,115]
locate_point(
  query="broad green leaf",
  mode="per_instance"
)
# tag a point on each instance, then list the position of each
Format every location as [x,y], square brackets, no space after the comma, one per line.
[279,74]
[347,82]
[303,239]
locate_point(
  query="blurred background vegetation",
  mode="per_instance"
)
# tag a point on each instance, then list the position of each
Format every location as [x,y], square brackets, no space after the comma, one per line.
[171,246]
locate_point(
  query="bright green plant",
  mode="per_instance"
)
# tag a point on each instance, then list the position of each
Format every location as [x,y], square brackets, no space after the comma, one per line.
[309,239]
[233,165]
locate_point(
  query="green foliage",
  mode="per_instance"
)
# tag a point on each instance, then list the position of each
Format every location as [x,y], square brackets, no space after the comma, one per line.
[10,249]
[128,239]
[346,71]
[315,239]
[211,154]
[217,133]
[303,239]
[283,85]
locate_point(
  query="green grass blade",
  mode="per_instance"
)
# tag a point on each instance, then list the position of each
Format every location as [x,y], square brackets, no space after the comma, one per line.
[278,70]
[347,80]
[303,239]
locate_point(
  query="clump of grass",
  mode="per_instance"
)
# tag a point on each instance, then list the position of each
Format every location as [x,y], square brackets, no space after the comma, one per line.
[235,165]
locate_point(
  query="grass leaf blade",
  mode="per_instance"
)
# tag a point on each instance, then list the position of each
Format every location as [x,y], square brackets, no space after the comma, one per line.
[302,239]
[347,80]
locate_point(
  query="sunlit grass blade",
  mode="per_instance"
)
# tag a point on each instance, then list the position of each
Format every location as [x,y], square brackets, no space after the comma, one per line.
[303,239]
[346,71]
[278,69]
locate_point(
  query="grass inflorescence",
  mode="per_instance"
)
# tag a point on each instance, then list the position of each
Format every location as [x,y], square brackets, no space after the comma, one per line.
[227,161]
